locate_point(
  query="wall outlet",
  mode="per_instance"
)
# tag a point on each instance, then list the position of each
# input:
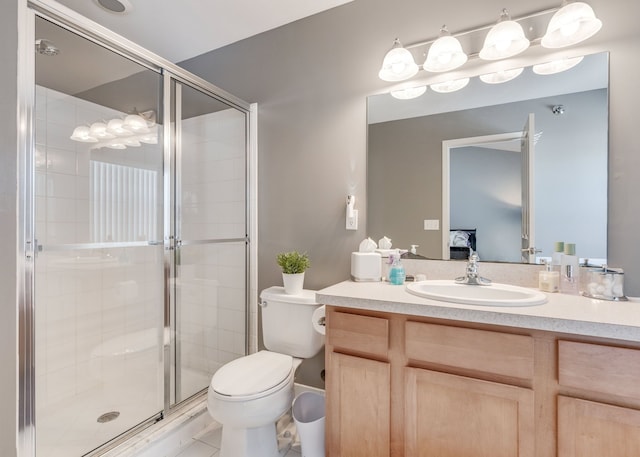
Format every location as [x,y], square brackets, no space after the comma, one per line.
[352,222]
[432,224]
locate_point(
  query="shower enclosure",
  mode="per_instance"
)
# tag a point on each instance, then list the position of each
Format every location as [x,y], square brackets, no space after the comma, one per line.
[137,207]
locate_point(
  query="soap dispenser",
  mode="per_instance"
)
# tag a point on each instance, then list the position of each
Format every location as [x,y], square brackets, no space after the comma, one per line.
[396,272]
[548,280]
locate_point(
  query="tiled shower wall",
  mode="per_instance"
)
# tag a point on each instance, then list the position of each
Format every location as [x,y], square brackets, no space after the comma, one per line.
[92,304]
[212,276]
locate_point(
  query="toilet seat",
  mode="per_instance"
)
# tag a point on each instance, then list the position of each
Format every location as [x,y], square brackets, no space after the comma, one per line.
[253,376]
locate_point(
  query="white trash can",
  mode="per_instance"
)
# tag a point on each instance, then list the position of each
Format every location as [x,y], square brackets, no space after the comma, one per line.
[308,414]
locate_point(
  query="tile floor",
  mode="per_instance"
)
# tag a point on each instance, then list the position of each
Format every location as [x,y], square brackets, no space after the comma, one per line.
[207,442]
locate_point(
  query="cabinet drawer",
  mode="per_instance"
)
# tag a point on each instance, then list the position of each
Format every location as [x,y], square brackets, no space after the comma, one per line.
[490,352]
[598,368]
[359,334]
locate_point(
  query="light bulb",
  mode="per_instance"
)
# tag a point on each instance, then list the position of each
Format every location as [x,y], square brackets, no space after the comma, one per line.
[570,28]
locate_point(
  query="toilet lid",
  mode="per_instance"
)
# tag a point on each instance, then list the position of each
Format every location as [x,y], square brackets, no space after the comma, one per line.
[252,374]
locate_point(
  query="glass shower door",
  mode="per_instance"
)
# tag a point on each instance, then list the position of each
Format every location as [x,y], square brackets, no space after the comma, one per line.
[211,238]
[99,270]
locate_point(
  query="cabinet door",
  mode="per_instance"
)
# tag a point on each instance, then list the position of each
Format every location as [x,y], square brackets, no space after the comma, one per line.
[358,407]
[453,416]
[590,429]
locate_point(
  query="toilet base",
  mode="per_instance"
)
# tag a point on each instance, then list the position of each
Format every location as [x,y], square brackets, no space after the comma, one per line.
[249,442]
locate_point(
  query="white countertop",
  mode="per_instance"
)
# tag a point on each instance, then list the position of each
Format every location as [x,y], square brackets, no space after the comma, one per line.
[562,313]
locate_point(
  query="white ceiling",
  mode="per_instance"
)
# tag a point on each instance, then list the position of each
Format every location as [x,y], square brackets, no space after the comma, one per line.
[181,29]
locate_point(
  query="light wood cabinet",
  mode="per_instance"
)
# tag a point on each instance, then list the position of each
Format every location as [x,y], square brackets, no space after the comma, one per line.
[448,415]
[591,429]
[358,376]
[360,418]
[407,386]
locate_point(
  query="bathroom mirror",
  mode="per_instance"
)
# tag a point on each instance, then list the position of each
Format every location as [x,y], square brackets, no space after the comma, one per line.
[474,135]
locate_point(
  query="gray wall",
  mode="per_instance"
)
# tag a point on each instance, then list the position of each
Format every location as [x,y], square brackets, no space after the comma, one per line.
[8,234]
[311,79]
[486,195]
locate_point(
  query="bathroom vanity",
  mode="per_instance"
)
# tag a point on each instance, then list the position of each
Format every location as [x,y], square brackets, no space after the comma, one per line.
[409,376]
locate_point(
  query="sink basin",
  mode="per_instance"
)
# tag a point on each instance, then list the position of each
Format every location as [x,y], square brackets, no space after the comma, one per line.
[494,294]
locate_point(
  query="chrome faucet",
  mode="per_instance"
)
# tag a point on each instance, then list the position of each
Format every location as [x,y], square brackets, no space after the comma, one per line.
[472,277]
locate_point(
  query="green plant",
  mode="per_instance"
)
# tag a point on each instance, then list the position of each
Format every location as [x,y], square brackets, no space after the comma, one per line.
[293,262]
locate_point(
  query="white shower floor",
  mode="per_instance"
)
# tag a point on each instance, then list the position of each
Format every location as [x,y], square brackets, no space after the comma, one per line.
[70,428]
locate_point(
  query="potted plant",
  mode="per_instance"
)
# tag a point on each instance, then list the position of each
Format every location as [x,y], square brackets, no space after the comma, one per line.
[293,266]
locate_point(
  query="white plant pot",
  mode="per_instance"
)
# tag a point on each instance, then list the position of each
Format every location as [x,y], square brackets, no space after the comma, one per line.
[293,283]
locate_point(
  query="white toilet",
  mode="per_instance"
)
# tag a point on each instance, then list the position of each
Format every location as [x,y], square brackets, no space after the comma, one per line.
[249,394]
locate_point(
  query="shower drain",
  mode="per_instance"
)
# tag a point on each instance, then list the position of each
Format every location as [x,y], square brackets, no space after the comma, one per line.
[108,417]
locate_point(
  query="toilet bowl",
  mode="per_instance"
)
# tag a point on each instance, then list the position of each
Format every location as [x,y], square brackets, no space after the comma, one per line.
[249,394]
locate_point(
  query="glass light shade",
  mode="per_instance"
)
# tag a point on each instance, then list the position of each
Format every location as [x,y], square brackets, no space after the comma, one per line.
[83,135]
[99,130]
[116,127]
[556,66]
[135,123]
[505,39]
[408,93]
[573,23]
[398,64]
[502,76]
[449,86]
[445,54]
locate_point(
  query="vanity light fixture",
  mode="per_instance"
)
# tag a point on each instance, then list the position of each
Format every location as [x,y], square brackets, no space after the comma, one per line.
[449,86]
[398,64]
[556,66]
[501,76]
[408,93]
[505,39]
[572,23]
[445,53]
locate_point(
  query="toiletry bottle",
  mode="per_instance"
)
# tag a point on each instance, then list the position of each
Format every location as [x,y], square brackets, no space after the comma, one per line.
[548,280]
[556,257]
[569,270]
[396,272]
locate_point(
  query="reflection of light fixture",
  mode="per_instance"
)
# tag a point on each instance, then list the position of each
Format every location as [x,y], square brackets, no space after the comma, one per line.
[99,131]
[135,123]
[82,134]
[445,53]
[151,137]
[573,22]
[505,39]
[116,127]
[501,76]
[556,66]
[449,86]
[398,64]
[409,92]
[118,133]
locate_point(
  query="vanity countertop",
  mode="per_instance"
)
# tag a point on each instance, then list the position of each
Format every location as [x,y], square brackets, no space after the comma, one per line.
[561,313]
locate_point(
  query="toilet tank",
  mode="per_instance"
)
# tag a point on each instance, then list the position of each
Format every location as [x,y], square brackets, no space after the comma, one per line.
[286,322]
